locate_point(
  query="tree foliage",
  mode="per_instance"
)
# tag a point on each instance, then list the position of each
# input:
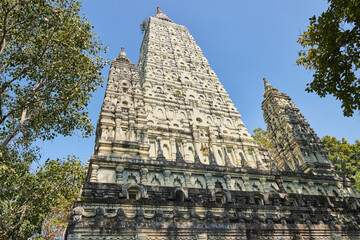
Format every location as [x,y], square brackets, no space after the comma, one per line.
[345,156]
[49,67]
[144,25]
[332,49]
[31,196]
[261,137]
[55,223]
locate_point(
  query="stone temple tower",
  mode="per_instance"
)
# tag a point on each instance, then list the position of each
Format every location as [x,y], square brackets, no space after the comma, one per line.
[173,160]
[296,145]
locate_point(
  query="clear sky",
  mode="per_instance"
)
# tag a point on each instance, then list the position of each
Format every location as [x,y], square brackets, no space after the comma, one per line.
[243,40]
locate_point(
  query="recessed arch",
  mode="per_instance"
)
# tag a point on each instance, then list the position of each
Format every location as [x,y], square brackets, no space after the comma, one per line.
[179,195]
[133,193]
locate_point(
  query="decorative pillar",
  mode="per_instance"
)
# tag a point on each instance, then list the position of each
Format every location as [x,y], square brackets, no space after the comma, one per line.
[172,149]
[258,160]
[223,150]
[146,136]
[124,135]
[119,174]
[132,131]
[246,181]
[264,185]
[228,182]
[144,172]
[103,133]
[187,179]
[94,173]
[216,154]
[209,182]
[167,177]
[185,152]
[112,132]
[237,158]
[247,158]
[118,130]
[197,149]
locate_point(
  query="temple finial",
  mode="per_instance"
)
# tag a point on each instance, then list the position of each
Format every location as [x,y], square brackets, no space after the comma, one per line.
[122,53]
[265,81]
[162,16]
[266,84]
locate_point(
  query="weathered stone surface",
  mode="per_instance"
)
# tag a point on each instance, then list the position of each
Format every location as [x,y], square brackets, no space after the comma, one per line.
[296,146]
[173,160]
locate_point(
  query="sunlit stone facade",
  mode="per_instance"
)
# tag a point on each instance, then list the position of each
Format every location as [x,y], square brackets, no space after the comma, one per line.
[173,160]
[295,145]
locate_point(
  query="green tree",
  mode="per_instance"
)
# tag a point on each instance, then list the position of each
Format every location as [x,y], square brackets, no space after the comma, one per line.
[49,67]
[55,223]
[261,137]
[332,49]
[345,156]
[30,197]
[144,25]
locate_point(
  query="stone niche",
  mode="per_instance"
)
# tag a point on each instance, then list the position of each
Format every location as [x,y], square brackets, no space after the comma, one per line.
[106,175]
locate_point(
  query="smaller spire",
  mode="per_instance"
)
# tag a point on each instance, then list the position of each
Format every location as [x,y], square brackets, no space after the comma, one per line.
[267,84]
[158,10]
[122,53]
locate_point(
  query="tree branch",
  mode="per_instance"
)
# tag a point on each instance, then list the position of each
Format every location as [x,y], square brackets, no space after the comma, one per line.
[7,84]
[3,67]
[24,70]
[20,107]
[2,41]
[24,118]
[6,233]
[16,129]
[4,30]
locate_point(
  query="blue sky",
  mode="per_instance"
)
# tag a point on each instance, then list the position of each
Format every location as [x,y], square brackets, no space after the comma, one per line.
[244,41]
